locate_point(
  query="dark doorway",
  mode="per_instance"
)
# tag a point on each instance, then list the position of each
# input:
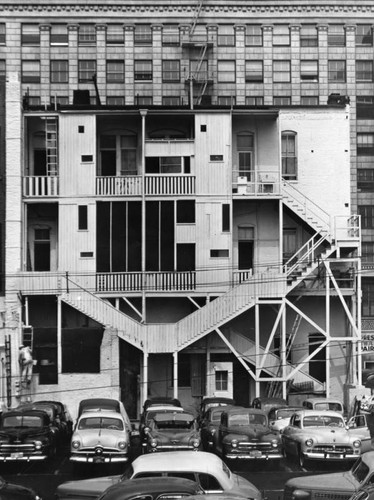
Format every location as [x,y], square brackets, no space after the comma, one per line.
[42,250]
[317,365]
[129,378]
[40,162]
[245,254]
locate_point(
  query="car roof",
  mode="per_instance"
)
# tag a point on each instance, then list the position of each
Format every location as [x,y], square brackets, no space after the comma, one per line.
[268,400]
[323,400]
[157,485]
[239,409]
[329,413]
[179,416]
[22,411]
[101,413]
[199,461]
[161,400]
[217,400]
[164,408]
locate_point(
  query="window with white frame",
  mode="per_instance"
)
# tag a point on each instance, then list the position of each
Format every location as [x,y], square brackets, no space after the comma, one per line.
[30,72]
[253,35]
[87,34]
[308,35]
[2,34]
[226,35]
[143,70]
[115,71]
[309,100]
[367,216]
[245,149]
[59,71]
[336,35]
[364,71]
[143,34]
[336,71]
[289,155]
[115,34]
[226,72]
[59,34]
[171,71]
[226,100]
[171,100]
[170,34]
[365,180]
[167,164]
[364,34]
[254,100]
[30,34]
[365,144]
[115,100]
[281,71]
[86,70]
[254,71]
[282,100]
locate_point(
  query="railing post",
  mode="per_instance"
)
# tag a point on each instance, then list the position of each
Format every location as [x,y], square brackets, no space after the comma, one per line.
[67,281]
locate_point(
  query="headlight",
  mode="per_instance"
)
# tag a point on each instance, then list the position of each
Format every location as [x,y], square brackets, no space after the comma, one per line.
[75,444]
[309,442]
[146,430]
[122,445]
[154,443]
[196,443]
[212,432]
[38,445]
[274,443]
[234,443]
[357,444]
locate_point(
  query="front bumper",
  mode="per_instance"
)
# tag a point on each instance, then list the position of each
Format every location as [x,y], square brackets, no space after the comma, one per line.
[254,455]
[98,459]
[330,455]
[22,457]
[171,448]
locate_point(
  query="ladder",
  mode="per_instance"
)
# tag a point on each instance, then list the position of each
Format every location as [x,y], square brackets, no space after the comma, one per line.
[8,371]
[51,145]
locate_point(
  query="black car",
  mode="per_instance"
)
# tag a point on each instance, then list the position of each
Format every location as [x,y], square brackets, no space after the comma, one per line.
[64,416]
[155,488]
[160,401]
[267,403]
[53,411]
[209,425]
[10,491]
[26,435]
[212,402]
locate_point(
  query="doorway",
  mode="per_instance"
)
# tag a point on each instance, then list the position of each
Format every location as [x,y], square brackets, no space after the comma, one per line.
[42,250]
[245,247]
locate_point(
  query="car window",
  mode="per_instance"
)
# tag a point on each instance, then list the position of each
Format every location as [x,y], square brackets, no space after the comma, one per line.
[22,421]
[174,424]
[209,482]
[183,475]
[216,415]
[322,421]
[286,413]
[360,470]
[100,423]
[328,406]
[146,474]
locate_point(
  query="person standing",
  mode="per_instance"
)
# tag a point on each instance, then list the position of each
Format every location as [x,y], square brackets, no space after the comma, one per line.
[26,363]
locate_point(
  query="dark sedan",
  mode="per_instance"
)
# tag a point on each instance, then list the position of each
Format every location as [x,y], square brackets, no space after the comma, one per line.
[209,425]
[10,491]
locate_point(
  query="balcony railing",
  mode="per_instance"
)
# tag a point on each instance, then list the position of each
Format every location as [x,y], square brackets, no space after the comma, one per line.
[151,281]
[40,186]
[254,182]
[154,185]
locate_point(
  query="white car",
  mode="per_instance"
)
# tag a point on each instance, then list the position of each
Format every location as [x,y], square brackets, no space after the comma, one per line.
[206,469]
[279,418]
[100,436]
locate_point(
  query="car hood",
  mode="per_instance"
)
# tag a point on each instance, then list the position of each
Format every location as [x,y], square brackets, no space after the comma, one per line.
[327,434]
[342,481]
[172,435]
[252,431]
[14,434]
[87,488]
[106,437]
[243,487]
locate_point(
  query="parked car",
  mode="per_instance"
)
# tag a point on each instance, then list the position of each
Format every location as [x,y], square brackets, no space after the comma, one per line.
[149,414]
[279,417]
[266,404]
[364,493]
[63,414]
[209,425]
[319,435]
[206,469]
[26,435]
[358,427]
[213,402]
[244,434]
[160,400]
[108,404]
[335,485]
[11,491]
[172,431]
[100,437]
[152,488]
[323,404]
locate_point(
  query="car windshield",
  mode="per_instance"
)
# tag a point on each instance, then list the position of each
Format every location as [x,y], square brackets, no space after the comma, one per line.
[100,423]
[360,470]
[174,424]
[48,410]
[21,421]
[216,415]
[286,413]
[328,406]
[322,421]
[241,419]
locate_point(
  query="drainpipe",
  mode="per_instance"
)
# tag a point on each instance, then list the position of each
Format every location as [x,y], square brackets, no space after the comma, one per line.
[175,377]
[143,114]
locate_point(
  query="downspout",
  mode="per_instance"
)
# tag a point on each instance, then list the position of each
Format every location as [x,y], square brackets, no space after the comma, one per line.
[143,114]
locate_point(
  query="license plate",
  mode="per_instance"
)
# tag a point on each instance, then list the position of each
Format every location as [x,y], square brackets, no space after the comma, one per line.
[255,454]
[16,455]
[98,460]
[334,455]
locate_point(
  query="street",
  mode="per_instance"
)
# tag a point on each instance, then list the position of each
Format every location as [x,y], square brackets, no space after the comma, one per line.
[268,477]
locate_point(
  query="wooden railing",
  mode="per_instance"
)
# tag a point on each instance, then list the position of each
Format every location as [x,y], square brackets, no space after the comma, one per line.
[40,186]
[130,185]
[150,281]
[154,185]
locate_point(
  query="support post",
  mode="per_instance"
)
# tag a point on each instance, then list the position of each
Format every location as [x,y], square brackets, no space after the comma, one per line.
[175,375]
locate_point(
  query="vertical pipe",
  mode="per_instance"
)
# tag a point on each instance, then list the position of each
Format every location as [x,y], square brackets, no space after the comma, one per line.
[175,374]
[144,382]
[284,353]
[359,326]
[327,264]
[27,317]
[257,349]
[59,335]
[143,114]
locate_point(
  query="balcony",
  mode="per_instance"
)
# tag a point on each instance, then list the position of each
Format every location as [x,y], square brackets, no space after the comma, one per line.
[256,183]
[155,185]
[40,186]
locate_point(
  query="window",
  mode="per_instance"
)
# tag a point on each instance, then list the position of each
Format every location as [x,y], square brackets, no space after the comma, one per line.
[87,34]
[2,34]
[30,34]
[59,34]
[367,216]
[226,100]
[308,35]
[2,67]
[368,297]
[170,34]
[114,34]
[364,34]
[30,72]
[226,71]
[118,154]
[254,101]
[186,212]
[282,100]
[115,101]
[143,70]
[281,34]
[281,71]
[225,217]
[226,36]
[59,100]
[199,70]
[219,253]
[289,158]
[365,144]
[171,71]
[244,148]
[309,100]
[115,71]
[253,35]
[34,100]
[365,107]
[186,257]
[336,35]
[364,71]
[143,100]
[309,71]
[171,101]
[59,71]
[336,71]
[365,180]
[367,251]
[82,218]
[166,164]
[86,71]
[254,71]
[143,34]
[222,378]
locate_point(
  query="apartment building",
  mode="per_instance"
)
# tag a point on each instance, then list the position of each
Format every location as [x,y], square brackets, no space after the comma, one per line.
[184,182]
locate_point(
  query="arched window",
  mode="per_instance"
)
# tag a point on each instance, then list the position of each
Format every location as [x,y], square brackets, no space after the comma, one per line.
[289,155]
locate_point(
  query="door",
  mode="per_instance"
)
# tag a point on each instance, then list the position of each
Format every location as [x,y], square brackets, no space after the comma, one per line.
[289,243]
[42,250]
[245,258]
[220,379]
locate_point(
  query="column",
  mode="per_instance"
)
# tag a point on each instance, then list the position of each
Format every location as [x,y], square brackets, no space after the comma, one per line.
[240,30]
[157,63]
[45,93]
[129,64]
[101,61]
[73,59]
[267,36]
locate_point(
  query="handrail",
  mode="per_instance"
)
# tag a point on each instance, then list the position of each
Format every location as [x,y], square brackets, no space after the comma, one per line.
[304,253]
